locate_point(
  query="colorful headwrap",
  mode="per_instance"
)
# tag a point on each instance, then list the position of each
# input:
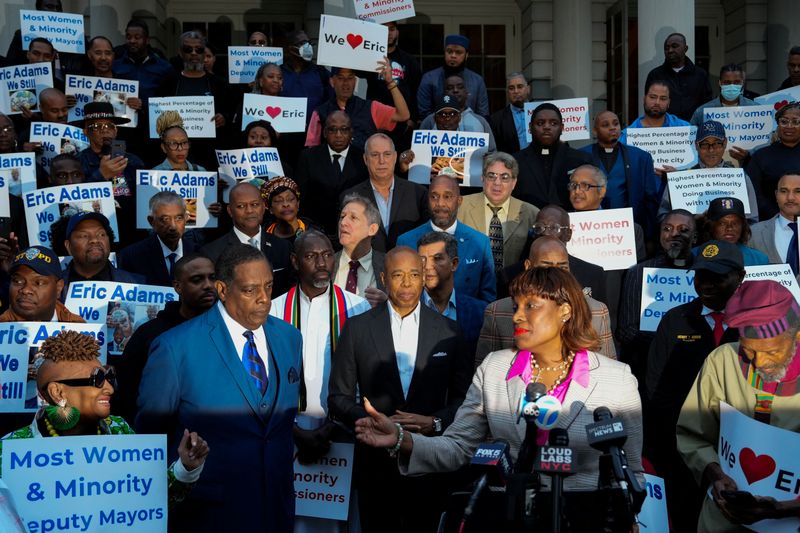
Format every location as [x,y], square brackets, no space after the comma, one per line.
[276,186]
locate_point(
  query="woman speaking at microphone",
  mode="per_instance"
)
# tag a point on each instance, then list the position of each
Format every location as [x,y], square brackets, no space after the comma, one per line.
[554,345]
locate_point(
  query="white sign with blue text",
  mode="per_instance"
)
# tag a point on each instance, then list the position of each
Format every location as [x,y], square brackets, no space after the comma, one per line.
[198,189]
[244,61]
[64,30]
[197,113]
[574,115]
[456,153]
[57,139]
[351,43]
[247,164]
[605,237]
[5,182]
[20,86]
[91,484]
[87,89]
[694,189]
[322,489]
[285,114]
[748,127]
[780,98]
[653,515]
[663,289]
[382,11]
[45,206]
[780,273]
[672,147]
[19,171]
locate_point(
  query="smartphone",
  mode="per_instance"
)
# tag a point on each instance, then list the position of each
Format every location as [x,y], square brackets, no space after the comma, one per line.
[5,227]
[739,498]
[117,147]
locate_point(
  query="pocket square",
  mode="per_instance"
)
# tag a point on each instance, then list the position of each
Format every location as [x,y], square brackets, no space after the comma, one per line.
[293,377]
[440,354]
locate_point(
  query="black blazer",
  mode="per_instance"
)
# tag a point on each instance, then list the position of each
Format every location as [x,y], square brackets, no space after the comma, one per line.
[409,210]
[276,249]
[147,259]
[536,188]
[589,275]
[319,188]
[504,130]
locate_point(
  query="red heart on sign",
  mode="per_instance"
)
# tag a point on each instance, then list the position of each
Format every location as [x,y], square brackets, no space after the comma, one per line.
[273,111]
[755,467]
[780,104]
[354,40]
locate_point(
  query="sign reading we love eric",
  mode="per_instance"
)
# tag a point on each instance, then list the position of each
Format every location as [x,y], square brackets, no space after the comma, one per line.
[351,43]
[286,115]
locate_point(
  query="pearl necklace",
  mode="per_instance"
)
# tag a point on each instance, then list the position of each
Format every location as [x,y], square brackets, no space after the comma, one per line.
[564,366]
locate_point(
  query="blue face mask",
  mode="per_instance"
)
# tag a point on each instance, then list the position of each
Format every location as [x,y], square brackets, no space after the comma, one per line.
[731,92]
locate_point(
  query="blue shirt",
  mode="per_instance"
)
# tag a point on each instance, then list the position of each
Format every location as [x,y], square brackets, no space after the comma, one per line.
[670,121]
[384,206]
[312,82]
[521,125]
[450,310]
[150,73]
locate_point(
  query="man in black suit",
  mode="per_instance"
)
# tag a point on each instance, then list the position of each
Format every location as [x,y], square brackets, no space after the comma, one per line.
[510,125]
[419,378]
[246,209]
[325,171]
[155,257]
[403,205]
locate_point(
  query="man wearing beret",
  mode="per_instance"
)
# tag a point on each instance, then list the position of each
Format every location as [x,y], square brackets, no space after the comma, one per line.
[455,58]
[758,376]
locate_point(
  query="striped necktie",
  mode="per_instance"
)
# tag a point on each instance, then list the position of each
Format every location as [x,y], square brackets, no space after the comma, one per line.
[253,363]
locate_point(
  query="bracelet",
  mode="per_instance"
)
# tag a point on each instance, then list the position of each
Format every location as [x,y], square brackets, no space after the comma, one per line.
[396,448]
[391,86]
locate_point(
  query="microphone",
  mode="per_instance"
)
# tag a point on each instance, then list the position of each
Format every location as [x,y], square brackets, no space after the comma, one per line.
[493,461]
[608,434]
[530,411]
[555,459]
[527,404]
[549,408]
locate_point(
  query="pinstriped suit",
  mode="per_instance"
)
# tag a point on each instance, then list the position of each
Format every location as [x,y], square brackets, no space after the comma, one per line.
[490,411]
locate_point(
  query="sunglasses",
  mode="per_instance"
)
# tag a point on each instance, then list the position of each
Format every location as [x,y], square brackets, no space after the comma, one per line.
[195,49]
[98,377]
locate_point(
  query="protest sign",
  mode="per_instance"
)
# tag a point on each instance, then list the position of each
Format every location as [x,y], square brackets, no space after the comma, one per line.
[780,98]
[604,237]
[663,289]
[197,113]
[781,273]
[322,488]
[18,170]
[668,146]
[456,153]
[19,344]
[246,164]
[64,30]
[382,11]
[285,114]
[653,515]
[244,61]
[121,307]
[575,114]
[57,139]
[693,190]
[762,460]
[351,43]
[5,182]
[20,86]
[87,89]
[92,483]
[198,189]
[748,127]
[45,206]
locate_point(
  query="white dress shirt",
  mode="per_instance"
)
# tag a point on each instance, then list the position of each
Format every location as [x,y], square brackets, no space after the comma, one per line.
[343,153]
[405,337]
[502,213]
[165,251]
[245,239]
[783,236]
[450,231]
[236,331]
[366,274]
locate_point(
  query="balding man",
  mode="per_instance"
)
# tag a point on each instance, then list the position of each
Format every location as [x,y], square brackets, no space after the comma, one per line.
[497,332]
[52,108]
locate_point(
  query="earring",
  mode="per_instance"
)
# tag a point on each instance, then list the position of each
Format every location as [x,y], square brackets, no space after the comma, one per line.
[63,417]
[564,320]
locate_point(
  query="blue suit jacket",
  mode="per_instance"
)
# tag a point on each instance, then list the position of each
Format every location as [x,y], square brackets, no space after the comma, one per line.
[195,379]
[469,316]
[475,273]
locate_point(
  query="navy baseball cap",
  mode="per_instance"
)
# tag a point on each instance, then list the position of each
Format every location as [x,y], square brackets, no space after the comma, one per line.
[719,257]
[87,215]
[710,128]
[41,260]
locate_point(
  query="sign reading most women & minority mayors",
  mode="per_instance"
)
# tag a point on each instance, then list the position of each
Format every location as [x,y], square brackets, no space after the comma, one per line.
[604,237]
[198,189]
[57,139]
[64,30]
[693,190]
[89,483]
[45,206]
[455,153]
[748,127]
[20,86]
[669,146]
[87,89]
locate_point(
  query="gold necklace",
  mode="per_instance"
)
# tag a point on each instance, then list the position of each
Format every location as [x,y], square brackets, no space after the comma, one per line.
[564,366]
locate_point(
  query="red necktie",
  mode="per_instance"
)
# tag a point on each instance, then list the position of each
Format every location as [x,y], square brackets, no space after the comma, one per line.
[718,329]
[352,278]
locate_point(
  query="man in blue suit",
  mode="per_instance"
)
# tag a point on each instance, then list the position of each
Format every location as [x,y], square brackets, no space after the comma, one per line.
[233,371]
[475,273]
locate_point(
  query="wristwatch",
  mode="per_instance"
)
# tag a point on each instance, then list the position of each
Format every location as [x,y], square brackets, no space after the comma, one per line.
[437,425]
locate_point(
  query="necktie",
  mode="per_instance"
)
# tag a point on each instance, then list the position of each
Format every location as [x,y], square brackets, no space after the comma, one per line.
[253,363]
[171,258]
[352,278]
[791,252]
[253,241]
[718,329]
[337,168]
[496,238]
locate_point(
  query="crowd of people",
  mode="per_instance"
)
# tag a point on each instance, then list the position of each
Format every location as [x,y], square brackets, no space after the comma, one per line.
[343,302]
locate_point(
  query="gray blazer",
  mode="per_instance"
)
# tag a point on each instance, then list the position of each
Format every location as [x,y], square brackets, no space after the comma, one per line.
[377,265]
[490,412]
[763,239]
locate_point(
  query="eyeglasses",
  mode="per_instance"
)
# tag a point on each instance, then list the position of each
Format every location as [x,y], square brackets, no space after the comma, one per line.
[98,377]
[344,130]
[105,126]
[195,49]
[710,146]
[177,145]
[7,129]
[447,114]
[504,178]
[540,228]
[574,185]
[789,121]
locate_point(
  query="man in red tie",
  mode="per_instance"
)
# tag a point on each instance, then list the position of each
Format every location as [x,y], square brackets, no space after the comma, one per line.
[684,338]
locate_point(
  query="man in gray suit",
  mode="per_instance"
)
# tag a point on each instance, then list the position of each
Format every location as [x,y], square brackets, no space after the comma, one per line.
[777,237]
[497,332]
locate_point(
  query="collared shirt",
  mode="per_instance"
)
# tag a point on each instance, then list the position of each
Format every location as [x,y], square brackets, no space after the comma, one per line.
[521,125]
[783,236]
[706,312]
[451,230]
[236,331]
[405,337]
[502,213]
[343,153]
[449,311]
[165,251]
[384,206]
[366,274]
[245,239]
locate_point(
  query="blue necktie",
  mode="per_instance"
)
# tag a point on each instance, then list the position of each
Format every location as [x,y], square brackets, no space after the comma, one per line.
[791,252]
[253,364]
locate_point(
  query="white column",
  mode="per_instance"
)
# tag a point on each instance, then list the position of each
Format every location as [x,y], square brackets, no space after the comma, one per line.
[656,20]
[572,49]
[783,32]
[109,18]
